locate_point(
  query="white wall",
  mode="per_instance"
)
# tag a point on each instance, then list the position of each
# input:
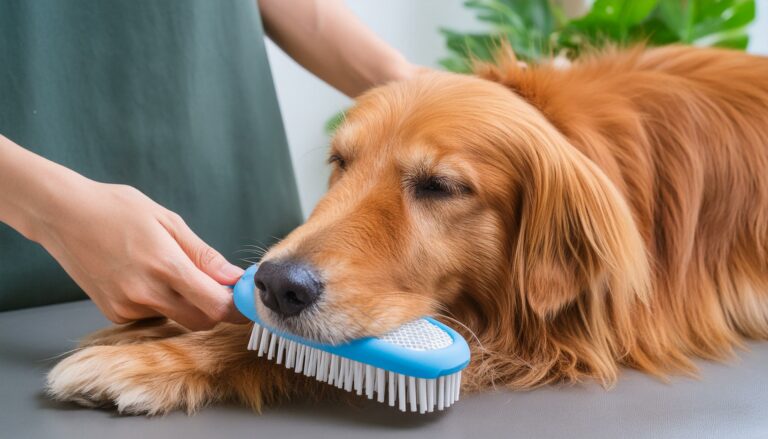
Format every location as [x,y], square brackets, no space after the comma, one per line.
[410,26]
[759,32]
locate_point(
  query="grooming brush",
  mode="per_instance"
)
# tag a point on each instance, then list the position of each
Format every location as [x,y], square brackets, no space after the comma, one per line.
[416,366]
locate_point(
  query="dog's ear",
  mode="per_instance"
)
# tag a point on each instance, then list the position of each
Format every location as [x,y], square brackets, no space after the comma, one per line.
[576,234]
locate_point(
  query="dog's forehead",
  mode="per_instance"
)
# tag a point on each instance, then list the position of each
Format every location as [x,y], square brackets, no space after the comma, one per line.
[431,97]
[432,109]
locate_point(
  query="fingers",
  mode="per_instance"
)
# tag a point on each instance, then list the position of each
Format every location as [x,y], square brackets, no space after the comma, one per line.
[178,309]
[126,312]
[204,256]
[197,287]
[164,302]
[199,273]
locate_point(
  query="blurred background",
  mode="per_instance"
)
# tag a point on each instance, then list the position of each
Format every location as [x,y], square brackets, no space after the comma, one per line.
[413,28]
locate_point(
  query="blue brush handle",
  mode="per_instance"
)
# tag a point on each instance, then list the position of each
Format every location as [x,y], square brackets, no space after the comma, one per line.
[373,351]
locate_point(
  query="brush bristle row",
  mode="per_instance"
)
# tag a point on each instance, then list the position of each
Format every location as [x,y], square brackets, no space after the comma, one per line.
[418,394]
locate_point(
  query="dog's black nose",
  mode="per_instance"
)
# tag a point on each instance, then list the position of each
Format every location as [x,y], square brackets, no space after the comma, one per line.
[287,287]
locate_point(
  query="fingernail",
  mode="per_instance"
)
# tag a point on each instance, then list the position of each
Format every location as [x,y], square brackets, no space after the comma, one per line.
[229,271]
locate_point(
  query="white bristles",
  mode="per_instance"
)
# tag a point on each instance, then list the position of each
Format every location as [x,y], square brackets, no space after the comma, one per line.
[391,389]
[252,340]
[412,393]
[431,395]
[441,393]
[311,359]
[264,340]
[409,393]
[333,373]
[280,348]
[272,345]
[401,391]
[422,395]
[358,377]
[369,383]
[380,382]
[347,375]
[322,366]
[300,348]
[290,356]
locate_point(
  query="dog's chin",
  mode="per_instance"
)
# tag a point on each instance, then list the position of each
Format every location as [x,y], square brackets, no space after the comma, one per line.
[313,324]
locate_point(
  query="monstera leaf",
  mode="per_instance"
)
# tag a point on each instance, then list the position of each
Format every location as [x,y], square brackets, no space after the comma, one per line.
[708,23]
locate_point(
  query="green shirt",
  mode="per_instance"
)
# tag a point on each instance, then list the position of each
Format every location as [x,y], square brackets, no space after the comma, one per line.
[173,97]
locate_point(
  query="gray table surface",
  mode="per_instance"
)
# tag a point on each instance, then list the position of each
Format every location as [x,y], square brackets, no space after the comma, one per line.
[728,401]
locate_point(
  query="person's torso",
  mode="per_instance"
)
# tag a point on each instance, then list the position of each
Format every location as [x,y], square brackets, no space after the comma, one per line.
[174,97]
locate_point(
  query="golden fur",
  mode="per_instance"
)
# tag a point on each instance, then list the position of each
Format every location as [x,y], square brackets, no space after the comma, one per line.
[611,214]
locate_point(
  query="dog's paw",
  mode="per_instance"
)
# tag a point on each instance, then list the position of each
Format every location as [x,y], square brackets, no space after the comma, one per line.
[130,378]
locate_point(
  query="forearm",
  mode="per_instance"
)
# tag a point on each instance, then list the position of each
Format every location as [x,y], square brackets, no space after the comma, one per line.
[30,187]
[327,39]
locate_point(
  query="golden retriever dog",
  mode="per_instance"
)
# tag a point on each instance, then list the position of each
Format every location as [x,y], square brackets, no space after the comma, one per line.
[569,222]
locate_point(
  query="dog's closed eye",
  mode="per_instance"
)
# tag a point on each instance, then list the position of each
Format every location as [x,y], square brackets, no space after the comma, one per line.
[435,187]
[337,160]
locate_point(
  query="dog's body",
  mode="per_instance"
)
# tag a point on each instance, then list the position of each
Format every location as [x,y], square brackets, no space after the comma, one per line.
[611,214]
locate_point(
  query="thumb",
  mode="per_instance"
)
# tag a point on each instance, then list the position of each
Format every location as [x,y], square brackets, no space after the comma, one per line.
[208,260]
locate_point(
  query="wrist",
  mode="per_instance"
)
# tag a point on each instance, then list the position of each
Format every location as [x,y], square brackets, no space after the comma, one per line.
[404,70]
[397,69]
[377,67]
[53,200]
[34,191]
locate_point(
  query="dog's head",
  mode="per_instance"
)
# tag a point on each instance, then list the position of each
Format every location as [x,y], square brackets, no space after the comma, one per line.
[452,193]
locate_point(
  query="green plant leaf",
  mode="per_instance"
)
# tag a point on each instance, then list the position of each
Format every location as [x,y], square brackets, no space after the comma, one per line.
[468,46]
[697,21]
[612,20]
[623,13]
[739,42]
[673,15]
[655,32]
[334,122]
[456,64]
[527,26]
[717,17]
[519,14]
[536,29]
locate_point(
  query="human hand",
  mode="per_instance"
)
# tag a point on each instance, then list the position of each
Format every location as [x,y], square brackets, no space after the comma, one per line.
[135,258]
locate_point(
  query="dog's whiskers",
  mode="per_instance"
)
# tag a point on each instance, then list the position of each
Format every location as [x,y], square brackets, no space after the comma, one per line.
[480,344]
[255,251]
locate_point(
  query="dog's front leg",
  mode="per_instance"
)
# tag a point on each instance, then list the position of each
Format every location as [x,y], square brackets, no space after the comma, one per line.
[182,372]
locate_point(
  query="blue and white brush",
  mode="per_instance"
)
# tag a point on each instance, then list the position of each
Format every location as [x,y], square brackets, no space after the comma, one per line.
[417,365]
